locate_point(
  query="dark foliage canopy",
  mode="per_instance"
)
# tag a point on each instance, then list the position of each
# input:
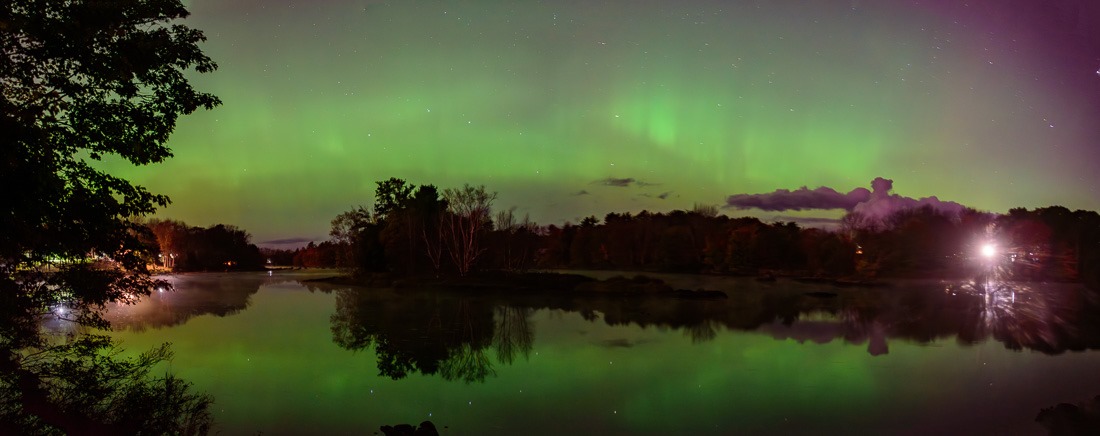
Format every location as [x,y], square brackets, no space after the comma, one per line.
[80,81]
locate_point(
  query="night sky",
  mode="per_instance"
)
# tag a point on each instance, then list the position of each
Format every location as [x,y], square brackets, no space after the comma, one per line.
[572,108]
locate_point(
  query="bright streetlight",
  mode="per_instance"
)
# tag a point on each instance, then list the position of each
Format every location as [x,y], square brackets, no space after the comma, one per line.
[989,250]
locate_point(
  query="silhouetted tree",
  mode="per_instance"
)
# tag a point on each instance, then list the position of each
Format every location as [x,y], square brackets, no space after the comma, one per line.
[469,209]
[216,248]
[170,240]
[828,253]
[79,81]
[369,253]
[392,199]
[676,250]
[555,251]
[345,232]
[742,247]
[513,243]
[327,254]
[1053,243]
[357,235]
[409,222]
[618,241]
[583,248]
[427,211]
[390,195]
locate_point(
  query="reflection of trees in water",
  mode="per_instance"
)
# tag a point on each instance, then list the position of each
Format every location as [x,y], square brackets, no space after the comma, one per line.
[466,363]
[466,359]
[193,295]
[703,331]
[1051,319]
[418,332]
[427,333]
[452,335]
[514,334]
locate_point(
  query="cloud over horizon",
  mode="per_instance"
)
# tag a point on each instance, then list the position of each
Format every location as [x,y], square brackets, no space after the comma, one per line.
[800,199]
[617,182]
[622,182]
[661,196]
[876,203]
[286,241]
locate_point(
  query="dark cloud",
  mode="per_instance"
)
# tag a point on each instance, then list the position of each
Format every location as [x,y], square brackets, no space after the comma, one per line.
[800,199]
[874,204]
[662,196]
[613,181]
[623,182]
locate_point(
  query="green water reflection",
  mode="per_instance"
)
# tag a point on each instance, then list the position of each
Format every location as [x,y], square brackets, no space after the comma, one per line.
[281,357]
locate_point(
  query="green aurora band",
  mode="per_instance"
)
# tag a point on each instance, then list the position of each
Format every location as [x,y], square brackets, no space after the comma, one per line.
[695,100]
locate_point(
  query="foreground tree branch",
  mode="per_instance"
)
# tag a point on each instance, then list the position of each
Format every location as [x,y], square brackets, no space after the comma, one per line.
[81,80]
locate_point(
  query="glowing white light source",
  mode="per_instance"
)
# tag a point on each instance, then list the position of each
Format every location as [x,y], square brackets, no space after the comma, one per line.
[989,250]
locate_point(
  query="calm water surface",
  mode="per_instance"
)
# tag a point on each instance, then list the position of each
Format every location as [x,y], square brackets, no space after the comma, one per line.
[282,357]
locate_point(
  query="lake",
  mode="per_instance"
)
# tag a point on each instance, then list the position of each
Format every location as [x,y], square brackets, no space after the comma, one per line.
[918,357]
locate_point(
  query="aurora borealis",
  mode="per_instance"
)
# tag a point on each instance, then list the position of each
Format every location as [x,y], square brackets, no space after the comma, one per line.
[989,103]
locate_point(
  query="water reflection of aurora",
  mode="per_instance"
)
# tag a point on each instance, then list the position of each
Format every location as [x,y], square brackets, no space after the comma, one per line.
[766,360]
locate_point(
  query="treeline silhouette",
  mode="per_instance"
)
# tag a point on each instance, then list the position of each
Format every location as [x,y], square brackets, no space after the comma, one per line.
[219,247]
[417,230]
[327,254]
[1051,243]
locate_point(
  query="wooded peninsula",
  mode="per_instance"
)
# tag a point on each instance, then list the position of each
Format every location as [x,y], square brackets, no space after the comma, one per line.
[423,232]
